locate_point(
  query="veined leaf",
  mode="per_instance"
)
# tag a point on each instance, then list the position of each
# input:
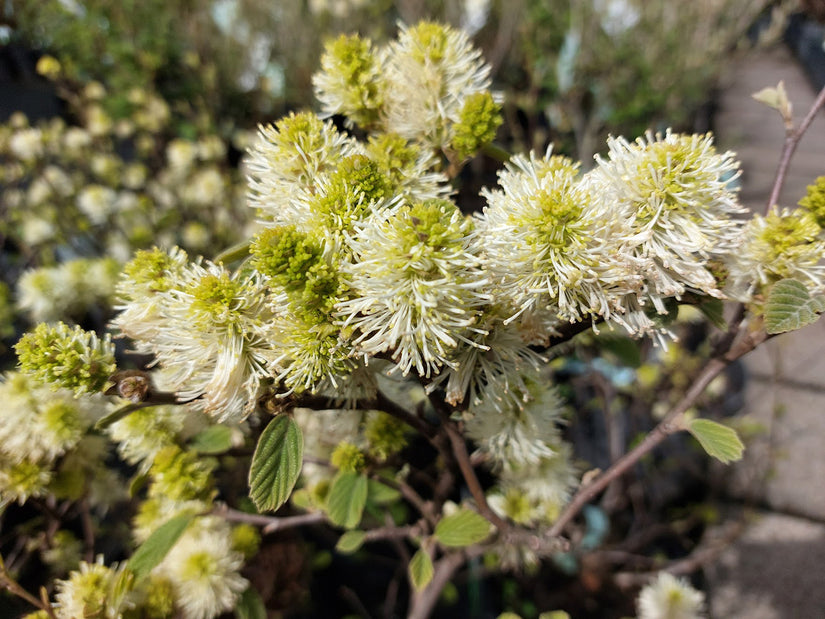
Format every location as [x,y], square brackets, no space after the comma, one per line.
[276,463]
[381,494]
[790,307]
[154,549]
[463,528]
[721,442]
[350,541]
[421,569]
[347,498]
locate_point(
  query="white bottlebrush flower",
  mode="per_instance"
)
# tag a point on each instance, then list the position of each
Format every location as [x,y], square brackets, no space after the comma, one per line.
[518,434]
[410,168]
[96,202]
[675,191]
[149,273]
[431,71]
[211,336]
[551,244]
[76,138]
[416,285]
[143,433]
[289,157]
[785,243]
[204,570]
[668,597]
[95,590]
[351,80]
[492,366]
[206,186]
[27,143]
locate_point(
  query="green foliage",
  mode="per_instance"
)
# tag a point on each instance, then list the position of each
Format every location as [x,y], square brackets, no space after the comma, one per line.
[717,440]
[463,528]
[276,463]
[350,541]
[790,306]
[212,440]
[421,569]
[157,545]
[348,457]
[347,498]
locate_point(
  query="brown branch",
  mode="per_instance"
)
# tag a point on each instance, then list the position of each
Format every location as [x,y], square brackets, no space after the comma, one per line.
[672,423]
[792,139]
[462,458]
[268,524]
[13,587]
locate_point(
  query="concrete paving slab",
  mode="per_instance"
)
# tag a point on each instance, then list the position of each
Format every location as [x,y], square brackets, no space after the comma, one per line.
[773,571]
[784,465]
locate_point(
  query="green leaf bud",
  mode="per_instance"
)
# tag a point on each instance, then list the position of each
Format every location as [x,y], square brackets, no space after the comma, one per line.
[68,357]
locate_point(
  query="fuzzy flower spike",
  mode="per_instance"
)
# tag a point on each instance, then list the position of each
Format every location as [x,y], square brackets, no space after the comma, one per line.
[433,72]
[675,192]
[550,243]
[416,285]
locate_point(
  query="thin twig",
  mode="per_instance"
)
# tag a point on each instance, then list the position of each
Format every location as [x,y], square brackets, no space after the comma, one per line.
[792,139]
[269,524]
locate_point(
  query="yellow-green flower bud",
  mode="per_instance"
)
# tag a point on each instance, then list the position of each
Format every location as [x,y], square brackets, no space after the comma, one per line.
[348,457]
[68,357]
[480,118]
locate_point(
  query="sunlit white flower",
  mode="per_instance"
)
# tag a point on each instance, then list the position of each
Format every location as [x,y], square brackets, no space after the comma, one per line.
[668,597]
[784,244]
[431,70]
[551,244]
[95,590]
[212,339]
[675,190]
[206,186]
[76,138]
[289,157]
[37,230]
[96,202]
[350,81]
[205,570]
[492,366]
[416,284]
[181,154]
[27,144]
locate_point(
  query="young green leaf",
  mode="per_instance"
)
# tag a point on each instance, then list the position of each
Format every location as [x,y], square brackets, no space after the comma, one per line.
[720,442]
[463,528]
[350,541]
[212,440]
[421,569]
[154,549]
[250,606]
[347,498]
[790,306]
[276,463]
[713,309]
[381,494]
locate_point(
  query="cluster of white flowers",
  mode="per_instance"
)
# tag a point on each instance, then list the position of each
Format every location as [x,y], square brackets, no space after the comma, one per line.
[71,187]
[72,288]
[39,425]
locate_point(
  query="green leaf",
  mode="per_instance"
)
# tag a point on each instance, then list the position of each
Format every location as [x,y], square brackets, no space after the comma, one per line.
[212,440]
[347,498]
[421,569]
[713,310]
[464,528]
[721,442]
[790,306]
[154,549]
[250,606]
[350,541]
[381,494]
[276,463]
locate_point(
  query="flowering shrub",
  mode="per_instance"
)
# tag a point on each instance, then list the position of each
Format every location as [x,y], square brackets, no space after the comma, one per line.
[369,321]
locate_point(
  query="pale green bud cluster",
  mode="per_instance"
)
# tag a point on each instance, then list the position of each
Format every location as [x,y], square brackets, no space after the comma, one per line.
[430,86]
[67,356]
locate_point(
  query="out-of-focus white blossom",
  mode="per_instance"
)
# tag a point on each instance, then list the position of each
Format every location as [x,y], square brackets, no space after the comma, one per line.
[669,597]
